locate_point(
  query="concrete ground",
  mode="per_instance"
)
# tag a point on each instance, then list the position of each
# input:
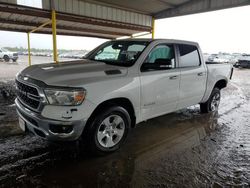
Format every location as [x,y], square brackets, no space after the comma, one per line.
[181,149]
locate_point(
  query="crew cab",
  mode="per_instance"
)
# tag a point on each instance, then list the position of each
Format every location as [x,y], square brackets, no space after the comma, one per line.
[6,55]
[118,85]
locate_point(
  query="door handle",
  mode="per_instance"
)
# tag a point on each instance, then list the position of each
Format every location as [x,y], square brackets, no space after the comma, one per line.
[200,74]
[173,77]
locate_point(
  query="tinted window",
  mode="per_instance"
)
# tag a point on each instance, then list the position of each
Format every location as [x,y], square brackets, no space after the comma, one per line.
[160,58]
[189,56]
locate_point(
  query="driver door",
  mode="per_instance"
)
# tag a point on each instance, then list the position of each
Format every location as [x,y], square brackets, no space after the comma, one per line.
[160,81]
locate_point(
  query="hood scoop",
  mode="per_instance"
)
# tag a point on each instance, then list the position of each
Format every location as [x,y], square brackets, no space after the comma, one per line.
[112,72]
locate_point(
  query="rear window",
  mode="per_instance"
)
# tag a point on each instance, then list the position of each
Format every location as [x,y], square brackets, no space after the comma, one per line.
[189,56]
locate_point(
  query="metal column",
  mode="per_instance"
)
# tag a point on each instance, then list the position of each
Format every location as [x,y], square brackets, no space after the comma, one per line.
[54,35]
[28,36]
[153,27]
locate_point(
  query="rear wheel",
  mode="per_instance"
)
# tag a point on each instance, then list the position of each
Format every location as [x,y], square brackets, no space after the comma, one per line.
[213,102]
[6,58]
[108,130]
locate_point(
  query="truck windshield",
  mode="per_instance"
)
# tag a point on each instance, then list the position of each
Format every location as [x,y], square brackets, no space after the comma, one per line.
[121,53]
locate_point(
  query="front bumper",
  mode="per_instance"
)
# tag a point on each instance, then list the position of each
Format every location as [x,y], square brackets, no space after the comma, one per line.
[45,128]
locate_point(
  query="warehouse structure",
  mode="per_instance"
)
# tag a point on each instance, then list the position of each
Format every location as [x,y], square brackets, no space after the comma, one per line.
[100,18]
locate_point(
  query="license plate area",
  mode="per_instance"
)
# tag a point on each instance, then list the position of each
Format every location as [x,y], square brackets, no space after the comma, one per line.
[22,124]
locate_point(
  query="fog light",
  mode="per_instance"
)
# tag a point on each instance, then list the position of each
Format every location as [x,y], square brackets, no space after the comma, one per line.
[60,128]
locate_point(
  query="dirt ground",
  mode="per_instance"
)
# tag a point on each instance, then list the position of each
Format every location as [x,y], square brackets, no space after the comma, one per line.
[181,149]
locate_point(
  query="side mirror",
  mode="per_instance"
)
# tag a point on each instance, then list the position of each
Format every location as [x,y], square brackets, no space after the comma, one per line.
[148,67]
[159,64]
[161,61]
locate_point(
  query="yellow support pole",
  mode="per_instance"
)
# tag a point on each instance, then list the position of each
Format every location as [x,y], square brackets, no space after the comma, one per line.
[153,27]
[41,26]
[28,35]
[54,36]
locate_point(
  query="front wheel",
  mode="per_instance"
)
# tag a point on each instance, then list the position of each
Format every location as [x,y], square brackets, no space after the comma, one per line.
[212,103]
[6,58]
[109,130]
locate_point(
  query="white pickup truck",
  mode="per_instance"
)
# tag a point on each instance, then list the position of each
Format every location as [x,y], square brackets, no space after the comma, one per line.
[119,84]
[6,55]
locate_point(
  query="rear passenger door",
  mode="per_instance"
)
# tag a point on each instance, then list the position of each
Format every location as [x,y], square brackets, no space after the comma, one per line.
[193,76]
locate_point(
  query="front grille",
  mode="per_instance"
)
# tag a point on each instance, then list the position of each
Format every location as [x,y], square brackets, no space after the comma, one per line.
[28,95]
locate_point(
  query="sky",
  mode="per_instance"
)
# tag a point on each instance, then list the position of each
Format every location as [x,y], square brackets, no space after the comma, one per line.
[225,30]
[218,31]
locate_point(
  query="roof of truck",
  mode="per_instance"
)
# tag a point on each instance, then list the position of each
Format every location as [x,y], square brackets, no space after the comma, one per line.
[161,39]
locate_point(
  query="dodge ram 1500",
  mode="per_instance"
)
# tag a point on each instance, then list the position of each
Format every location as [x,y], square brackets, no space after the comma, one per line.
[118,84]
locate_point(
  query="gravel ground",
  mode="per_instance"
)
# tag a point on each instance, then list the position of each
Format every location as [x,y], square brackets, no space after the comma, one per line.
[8,116]
[181,149]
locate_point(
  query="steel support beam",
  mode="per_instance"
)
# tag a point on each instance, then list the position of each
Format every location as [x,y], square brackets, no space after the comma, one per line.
[69,28]
[55,55]
[58,33]
[40,27]
[28,36]
[22,10]
[153,27]
[29,55]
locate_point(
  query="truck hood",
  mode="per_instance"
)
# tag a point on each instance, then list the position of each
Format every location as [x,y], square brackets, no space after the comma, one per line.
[73,73]
[9,53]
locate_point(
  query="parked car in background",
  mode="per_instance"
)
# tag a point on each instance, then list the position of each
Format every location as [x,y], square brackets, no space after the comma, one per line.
[7,55]
[118,84]
[243,61]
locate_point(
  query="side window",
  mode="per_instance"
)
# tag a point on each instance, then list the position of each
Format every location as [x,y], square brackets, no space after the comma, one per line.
[134,51]
[189,56]
[161,57]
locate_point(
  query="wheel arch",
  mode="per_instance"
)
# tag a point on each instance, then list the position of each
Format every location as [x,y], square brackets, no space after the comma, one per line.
[220,84]
[123,102]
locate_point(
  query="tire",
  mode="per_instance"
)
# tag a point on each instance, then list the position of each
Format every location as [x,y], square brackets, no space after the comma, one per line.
[14,60]
[103,135]
[212,103]
[6,58]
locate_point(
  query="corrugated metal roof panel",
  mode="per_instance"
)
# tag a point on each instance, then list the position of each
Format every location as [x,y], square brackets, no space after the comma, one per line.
[24,19]
[94,10]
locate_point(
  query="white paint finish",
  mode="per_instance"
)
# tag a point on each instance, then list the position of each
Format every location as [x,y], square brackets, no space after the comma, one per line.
[192,86]
[216,72]
[57,112]
[151,94]
[159,93]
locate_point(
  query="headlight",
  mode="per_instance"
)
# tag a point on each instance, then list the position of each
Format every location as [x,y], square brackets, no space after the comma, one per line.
[63,97]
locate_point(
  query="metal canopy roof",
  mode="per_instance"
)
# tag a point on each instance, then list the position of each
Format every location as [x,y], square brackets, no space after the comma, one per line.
[23,19]
[170,8]
[103,18]
[149,7]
